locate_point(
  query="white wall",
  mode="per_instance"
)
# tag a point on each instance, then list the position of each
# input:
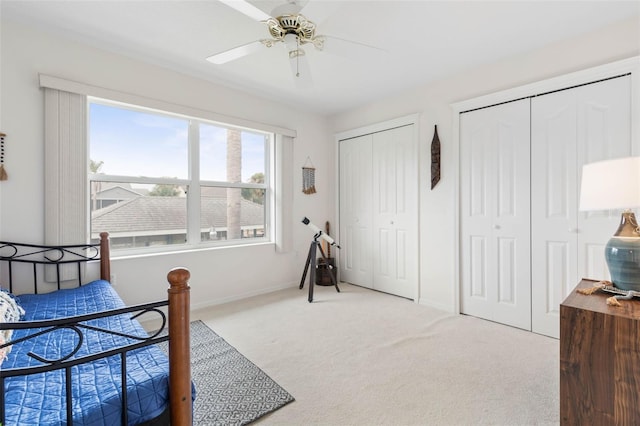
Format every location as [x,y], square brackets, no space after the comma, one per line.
[218,274]
[438,207]
[224,274]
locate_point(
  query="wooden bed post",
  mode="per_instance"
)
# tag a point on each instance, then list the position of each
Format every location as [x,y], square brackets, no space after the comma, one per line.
[105,264]
[179,348]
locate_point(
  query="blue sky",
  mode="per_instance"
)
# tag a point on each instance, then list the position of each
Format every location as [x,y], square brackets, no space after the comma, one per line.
[135,143]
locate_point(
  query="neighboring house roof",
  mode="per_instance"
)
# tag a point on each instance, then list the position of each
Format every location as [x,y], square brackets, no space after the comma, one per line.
[116,193]
[152,214]
[107,185]
[213,191]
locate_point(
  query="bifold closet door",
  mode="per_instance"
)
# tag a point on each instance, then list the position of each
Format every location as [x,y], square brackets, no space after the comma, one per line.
[570,128]
[495,214]
[379,211]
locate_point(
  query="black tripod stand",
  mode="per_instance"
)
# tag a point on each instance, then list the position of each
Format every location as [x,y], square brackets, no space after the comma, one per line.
[311,263]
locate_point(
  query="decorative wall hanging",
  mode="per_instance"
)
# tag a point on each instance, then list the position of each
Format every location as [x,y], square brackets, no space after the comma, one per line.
[3,172]
[435,158]
[308,177]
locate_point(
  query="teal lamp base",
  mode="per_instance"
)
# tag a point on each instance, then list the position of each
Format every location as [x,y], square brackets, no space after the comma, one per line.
[623,259]
[622,254]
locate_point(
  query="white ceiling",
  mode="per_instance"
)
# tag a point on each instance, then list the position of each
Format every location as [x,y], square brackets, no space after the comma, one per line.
[422,40]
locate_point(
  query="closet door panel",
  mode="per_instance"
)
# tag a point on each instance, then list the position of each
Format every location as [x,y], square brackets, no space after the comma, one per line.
[560,266]
[604,120]
[406,220]
[507,160]
[395,211]
[570,128]
[604,129]
[553,206]
[477,140]
[511,233]
[355,214]
[384,203]
[506,272]
[477,180]
[495,240]
[595,263]
[477,277]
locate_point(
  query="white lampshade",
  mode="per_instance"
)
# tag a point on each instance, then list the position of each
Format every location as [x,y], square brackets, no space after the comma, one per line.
[611,184]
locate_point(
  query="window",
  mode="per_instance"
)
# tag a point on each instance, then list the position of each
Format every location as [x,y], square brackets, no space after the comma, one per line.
[159,179]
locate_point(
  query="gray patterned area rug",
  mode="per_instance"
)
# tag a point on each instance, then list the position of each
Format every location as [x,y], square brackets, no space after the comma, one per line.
[230,389]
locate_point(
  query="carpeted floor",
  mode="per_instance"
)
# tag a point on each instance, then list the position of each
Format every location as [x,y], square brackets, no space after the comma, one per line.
[230,389]
[360,357]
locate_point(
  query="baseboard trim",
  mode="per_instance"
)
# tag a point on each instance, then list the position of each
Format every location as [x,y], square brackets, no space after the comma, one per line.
[205,305]
[197,308]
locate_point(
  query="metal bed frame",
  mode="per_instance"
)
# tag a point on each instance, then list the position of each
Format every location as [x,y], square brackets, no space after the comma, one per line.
[178,320]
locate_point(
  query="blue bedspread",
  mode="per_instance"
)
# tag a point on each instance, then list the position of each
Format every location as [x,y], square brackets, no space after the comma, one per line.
[39,399]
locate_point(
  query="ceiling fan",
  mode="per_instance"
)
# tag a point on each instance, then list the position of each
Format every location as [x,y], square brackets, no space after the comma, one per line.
[288,26]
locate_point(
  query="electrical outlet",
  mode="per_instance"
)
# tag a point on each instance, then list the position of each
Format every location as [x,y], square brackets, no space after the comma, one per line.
[112,279]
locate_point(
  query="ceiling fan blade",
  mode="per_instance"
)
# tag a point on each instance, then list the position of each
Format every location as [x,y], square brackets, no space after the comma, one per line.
[288,7]
[246,8]
[236,53]
[301,71]
[319,11]
[349,48]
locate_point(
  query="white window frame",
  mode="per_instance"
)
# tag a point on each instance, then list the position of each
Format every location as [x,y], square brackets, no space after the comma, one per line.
[59,224]
[192,182]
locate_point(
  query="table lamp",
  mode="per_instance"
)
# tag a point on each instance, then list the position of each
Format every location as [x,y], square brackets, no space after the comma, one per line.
[612,185]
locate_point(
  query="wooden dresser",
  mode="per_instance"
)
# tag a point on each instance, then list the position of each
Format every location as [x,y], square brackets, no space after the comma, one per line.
[599,360]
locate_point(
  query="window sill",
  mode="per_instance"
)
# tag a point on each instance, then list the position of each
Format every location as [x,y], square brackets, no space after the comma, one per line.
[182,249]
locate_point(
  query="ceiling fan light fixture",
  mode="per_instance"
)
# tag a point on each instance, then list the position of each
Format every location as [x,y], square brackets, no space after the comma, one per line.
[298,25]
[291,41]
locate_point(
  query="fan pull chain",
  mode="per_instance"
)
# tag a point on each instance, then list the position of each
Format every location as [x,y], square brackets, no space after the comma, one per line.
[297,56]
